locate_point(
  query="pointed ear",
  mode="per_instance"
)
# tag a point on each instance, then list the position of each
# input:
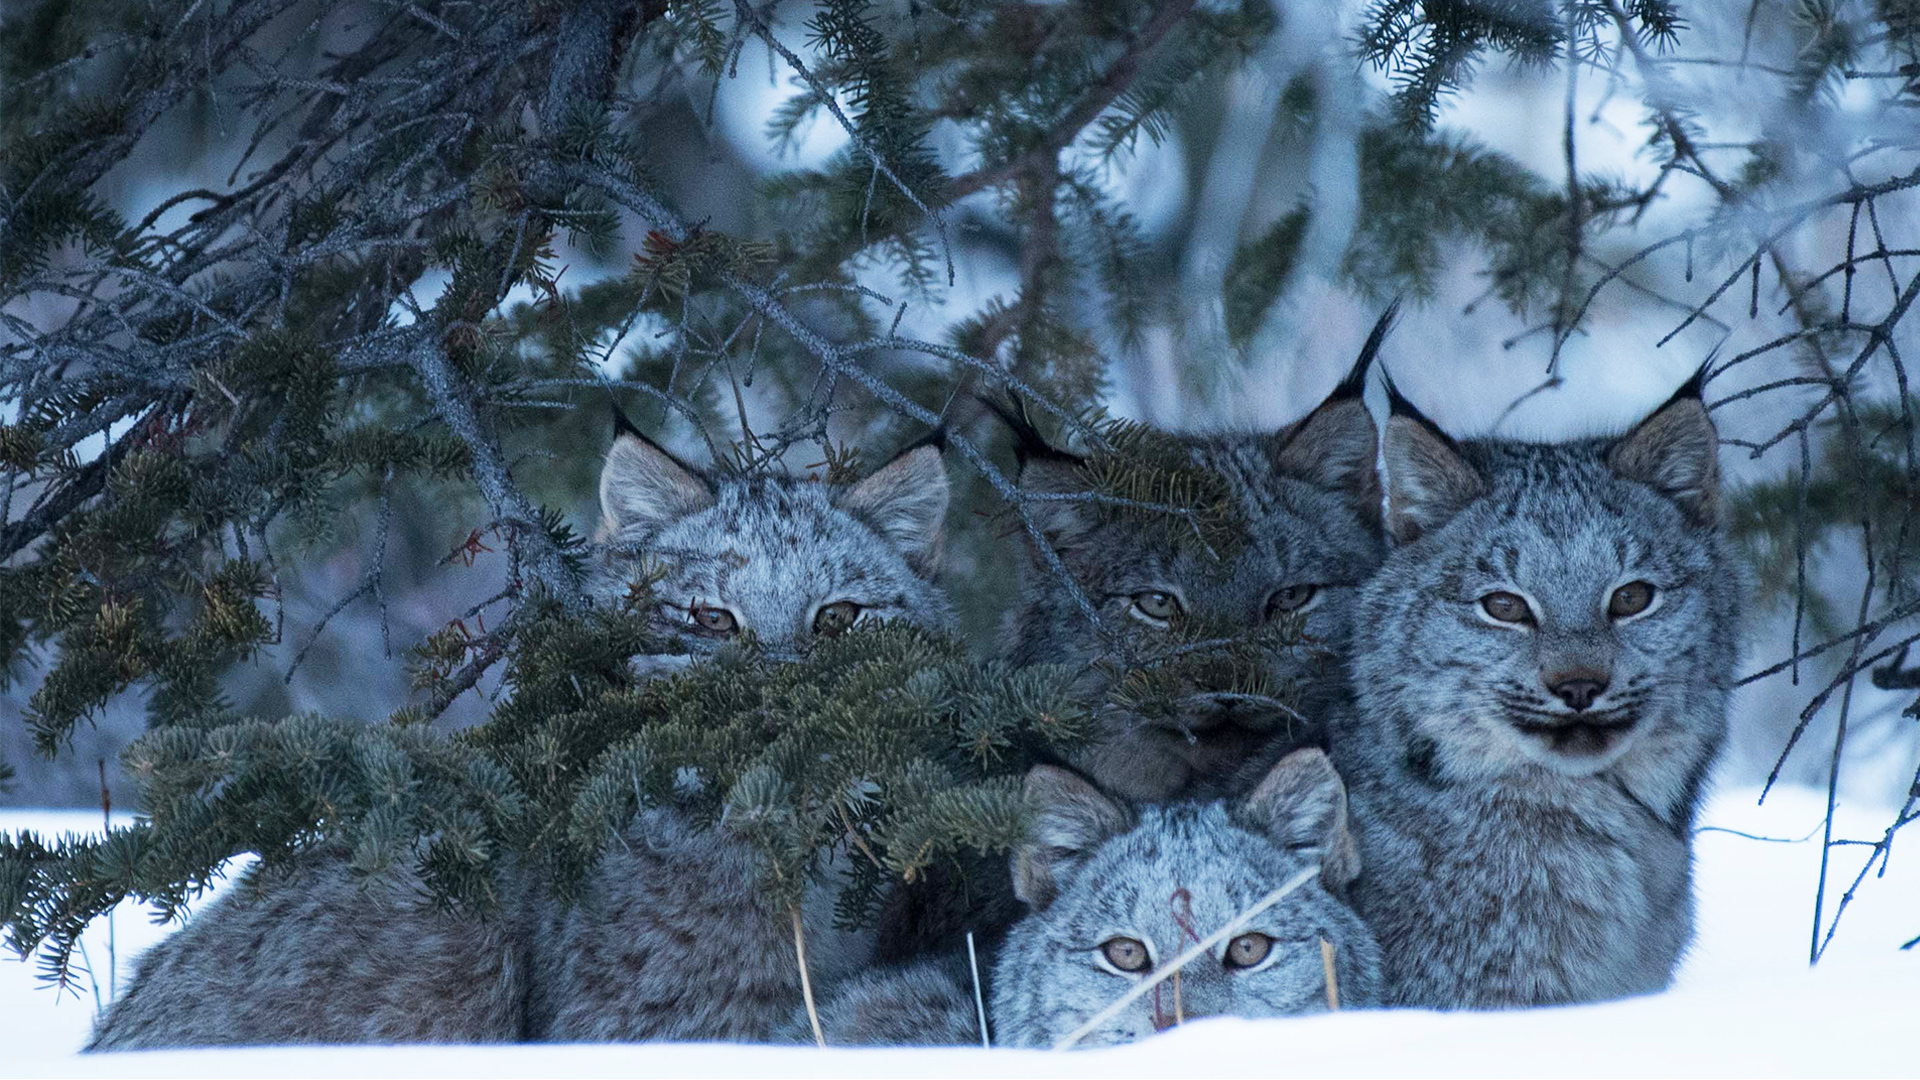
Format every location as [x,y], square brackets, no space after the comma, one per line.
[905,501]
[1336,445]
[1427,479]
[1065,524]
[1302,804]
[644,487]
[1049,471]
[1676,452]
[1071,818]
[1334,448]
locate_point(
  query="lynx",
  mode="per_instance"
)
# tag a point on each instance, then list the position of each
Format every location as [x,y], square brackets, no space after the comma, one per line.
[1311,499]
[1114,893]
[787,558]
[1541,675]
[1309,495]
[322,956]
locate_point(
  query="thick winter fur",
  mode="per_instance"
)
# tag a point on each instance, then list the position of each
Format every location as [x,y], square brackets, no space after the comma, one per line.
[669,941]
[1310,495]
[1168,876]
[323,957]
[674,942]
[771,551]
[1519,851]
[927,1003]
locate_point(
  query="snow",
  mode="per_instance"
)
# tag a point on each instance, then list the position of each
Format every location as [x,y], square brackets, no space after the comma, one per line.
[1745,1002]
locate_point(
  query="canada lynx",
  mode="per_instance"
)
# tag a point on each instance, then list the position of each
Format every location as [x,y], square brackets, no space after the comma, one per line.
[324,956]
[1541,675]
[1114,893]
[1310,498]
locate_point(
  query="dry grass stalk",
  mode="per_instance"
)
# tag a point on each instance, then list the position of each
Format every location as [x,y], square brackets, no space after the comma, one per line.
[1144,986]
[1333,980]
[979,999]
[806,984]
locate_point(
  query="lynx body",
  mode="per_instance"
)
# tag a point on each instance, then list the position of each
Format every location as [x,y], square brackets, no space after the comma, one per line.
[325,956]
[1310,499]
[1541,674]
[1114,893]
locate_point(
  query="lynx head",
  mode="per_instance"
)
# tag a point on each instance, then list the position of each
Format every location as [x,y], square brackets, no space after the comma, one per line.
[1551,609]
[788,558]
[1310,498]
[1114,894]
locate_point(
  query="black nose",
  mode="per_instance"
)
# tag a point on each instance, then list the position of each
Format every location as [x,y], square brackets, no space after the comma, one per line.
[1578,693]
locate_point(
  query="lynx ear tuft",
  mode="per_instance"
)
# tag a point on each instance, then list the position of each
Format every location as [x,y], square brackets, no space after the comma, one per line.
[1045,469]
[1676,452]
[645,488]
[905,501]
[1071,819]
[1302,804]
[1428,480]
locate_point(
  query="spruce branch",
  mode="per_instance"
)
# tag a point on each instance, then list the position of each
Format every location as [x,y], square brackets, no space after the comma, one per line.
[1044,157]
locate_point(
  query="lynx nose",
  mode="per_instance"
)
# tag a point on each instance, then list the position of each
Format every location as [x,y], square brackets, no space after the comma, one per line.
[1579,691]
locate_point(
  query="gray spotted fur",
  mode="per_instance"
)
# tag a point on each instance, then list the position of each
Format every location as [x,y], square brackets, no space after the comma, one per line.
[674,942]
[1516,854]
[322,957]
[325,956]
[1167,875]
[1310,496]
[771,550]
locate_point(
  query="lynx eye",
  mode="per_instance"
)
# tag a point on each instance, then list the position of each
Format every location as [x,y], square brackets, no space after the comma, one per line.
[1248,950]
[1506,607]
[1292,598]
[1157,608]
[1127,954]
[836,617]
[713,620]
[1630,599]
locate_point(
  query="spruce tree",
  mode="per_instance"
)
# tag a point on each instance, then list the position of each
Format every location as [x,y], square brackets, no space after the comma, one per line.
[200,400]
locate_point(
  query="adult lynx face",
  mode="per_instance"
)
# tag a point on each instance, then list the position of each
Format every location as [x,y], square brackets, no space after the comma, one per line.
[1116,893]
[1311,501]
[789,559]
[1551,607]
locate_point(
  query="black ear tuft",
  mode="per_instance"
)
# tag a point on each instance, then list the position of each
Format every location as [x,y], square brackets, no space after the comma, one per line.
[1046,469]
[937,439]
[1355,384]
[622,425]
[1028,444]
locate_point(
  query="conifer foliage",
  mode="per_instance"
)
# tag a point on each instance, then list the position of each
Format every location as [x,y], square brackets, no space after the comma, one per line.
[194,400]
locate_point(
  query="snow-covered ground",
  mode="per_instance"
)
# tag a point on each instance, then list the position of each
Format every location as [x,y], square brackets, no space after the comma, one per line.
[1745,1003]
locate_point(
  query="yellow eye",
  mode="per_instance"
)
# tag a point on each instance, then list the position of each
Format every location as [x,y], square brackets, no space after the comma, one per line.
[1247,950]
[714,620]
[1158,608]
[1291,598]
[1630,599]
[1126,953]
[1507,607]
[835,617]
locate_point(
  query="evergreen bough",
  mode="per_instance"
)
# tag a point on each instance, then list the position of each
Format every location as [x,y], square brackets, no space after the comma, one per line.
[201,402]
